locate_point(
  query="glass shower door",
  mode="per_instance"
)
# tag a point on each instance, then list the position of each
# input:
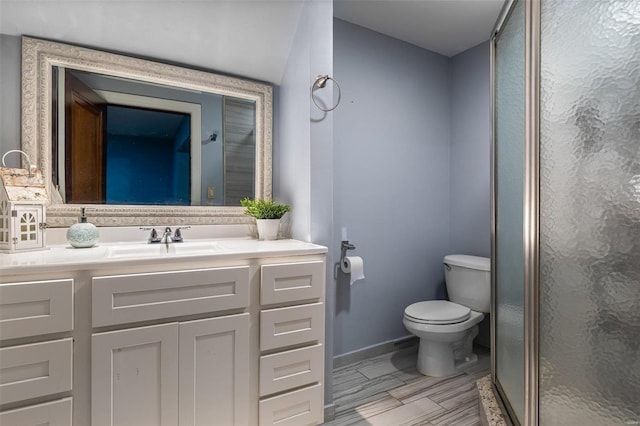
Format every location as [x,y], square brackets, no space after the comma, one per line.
[508,181]
[566,187]
[589,352]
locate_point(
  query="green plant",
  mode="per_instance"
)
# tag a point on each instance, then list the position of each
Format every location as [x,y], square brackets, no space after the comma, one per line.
[264,209]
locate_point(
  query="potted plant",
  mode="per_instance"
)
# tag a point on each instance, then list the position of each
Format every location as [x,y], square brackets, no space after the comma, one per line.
[268,214]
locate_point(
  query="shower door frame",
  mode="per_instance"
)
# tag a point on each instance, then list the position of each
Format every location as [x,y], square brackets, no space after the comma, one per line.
[531,209]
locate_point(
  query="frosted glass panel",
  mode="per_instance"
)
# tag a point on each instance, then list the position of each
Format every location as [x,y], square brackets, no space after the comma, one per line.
[509,175]
[590,213]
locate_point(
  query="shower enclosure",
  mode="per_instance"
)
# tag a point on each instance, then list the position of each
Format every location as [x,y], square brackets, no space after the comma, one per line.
[566,212]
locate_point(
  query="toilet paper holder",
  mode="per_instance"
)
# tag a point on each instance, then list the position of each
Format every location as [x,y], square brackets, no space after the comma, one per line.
[344,246]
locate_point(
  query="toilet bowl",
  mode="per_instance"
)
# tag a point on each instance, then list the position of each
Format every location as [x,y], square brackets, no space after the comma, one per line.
[446,344]
[446,329]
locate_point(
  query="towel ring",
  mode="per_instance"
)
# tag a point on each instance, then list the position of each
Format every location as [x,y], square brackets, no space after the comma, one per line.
[320,83]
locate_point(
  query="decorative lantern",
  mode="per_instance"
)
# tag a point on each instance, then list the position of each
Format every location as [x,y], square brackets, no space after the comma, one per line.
[23,201]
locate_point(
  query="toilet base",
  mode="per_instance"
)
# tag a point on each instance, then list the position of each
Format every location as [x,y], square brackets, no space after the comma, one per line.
[442,358]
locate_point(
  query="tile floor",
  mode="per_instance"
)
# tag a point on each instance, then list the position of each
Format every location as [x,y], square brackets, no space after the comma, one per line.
[387,390]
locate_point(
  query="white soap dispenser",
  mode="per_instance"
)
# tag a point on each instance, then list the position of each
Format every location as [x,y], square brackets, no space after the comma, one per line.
[83,234]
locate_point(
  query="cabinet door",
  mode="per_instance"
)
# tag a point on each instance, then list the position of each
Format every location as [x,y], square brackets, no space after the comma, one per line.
[214,371]
[38,369]
[134,376]
[55,413]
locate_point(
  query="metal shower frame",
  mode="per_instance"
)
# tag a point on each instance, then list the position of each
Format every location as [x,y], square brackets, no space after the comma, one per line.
[531,209]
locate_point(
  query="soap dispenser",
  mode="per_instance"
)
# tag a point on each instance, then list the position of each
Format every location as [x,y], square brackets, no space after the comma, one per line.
[82,234]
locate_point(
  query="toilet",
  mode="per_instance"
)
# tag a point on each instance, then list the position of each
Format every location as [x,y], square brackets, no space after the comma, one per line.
[447,328]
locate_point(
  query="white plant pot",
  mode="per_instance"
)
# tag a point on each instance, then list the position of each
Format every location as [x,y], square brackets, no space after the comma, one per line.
[268,228]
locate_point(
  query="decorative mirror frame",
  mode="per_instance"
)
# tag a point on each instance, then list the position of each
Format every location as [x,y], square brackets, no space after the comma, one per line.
[38,58]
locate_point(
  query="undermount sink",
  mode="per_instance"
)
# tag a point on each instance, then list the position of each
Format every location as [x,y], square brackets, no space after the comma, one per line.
[176,249]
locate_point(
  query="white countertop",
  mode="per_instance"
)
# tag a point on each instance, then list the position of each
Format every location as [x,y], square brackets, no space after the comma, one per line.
[64,257]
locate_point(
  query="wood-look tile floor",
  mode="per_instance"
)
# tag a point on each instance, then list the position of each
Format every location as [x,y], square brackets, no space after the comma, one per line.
[388,390]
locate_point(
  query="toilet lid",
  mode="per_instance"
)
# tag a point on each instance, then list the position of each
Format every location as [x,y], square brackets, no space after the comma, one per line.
[437,312]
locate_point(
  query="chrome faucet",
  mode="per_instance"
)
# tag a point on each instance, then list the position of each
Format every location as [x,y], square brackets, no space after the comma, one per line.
[153,236]
[177,235]
[166,237]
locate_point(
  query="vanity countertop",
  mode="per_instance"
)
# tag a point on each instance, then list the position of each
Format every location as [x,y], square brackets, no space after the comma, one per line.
[65,257]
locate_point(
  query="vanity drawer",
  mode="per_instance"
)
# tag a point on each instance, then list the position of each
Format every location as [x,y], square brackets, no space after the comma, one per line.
[291,326]
[291,369]
[301,407]
[120,299]
[34,308]
[290,282]
[55,413]
[30,371]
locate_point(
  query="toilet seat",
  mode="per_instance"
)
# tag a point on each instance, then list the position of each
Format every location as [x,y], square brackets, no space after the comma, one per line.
[437,312]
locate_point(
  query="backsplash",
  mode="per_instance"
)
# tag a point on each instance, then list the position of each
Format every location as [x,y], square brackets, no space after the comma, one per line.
[117,234]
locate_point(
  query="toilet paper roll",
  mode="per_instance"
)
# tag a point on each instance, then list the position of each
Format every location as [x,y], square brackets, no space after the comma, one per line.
[353,265]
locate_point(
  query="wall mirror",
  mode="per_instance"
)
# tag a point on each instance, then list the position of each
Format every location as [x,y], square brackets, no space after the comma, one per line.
[142,142]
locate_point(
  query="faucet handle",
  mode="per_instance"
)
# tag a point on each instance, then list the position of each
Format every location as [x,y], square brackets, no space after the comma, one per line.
[177,236]
[153,236]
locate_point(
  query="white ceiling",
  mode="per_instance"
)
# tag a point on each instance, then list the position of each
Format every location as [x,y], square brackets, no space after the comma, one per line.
[447,27]
[199,33]
[250,38]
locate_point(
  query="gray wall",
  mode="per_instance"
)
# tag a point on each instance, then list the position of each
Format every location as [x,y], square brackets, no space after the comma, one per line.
[292,177]
[391,145]
[411,171]
[304,154]
[10,87]
[322,166]
[470,169]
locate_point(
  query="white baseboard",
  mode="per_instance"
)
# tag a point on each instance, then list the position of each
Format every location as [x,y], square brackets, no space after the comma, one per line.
[374,350]
[329,412]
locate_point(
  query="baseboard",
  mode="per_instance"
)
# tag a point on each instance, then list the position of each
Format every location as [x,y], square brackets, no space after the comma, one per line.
[329,412]
[374,350]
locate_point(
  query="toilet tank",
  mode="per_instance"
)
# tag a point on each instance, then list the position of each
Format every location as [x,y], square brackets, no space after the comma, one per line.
[468,281]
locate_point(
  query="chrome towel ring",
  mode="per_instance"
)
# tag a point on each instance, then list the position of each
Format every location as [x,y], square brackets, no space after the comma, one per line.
[320,83]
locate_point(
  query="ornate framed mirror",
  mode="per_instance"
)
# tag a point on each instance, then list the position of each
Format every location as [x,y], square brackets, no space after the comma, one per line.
[142,142]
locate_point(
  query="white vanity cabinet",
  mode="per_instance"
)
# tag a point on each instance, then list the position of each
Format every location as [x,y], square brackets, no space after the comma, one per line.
[187,372]
[36,358]
[213,371]
[291,343]
[235,339]
[134,376]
